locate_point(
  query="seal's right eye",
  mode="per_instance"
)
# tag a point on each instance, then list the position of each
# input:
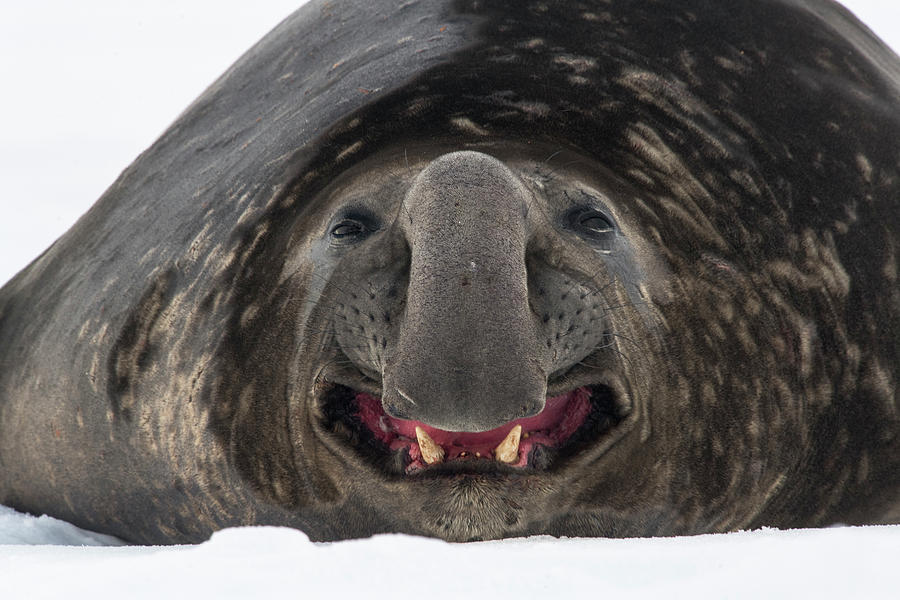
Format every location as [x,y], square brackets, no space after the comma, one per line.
[347,228]
[352,227]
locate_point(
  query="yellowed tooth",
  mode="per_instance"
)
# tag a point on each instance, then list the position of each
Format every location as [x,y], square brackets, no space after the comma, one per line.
[508,450]
[431,451]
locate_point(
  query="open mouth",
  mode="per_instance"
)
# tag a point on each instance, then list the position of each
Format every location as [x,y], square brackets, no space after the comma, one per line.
[568,424]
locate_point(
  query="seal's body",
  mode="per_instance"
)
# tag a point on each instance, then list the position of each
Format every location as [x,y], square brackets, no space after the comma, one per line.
[484,269]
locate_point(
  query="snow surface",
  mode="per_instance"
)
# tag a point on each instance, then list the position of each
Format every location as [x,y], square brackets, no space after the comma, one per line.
[90,84]
[850,562]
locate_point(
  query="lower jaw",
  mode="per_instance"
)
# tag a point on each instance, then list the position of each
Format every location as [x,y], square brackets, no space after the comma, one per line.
[586,416]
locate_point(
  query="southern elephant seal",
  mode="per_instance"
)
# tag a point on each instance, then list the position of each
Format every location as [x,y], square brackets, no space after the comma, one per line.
[475,269]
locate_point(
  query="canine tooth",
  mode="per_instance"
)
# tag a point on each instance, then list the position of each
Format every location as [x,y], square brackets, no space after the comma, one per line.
[431,451]
[508,450]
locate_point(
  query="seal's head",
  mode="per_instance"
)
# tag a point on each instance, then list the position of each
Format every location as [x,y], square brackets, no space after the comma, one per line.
[472,323]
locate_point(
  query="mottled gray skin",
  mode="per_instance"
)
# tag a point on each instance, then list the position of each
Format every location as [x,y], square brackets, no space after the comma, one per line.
[399,199]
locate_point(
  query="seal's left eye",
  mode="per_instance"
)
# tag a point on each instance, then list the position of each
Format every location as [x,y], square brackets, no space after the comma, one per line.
[595,223]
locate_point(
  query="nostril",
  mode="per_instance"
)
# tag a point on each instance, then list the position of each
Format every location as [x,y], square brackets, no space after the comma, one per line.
[394,411]
[531,408]
[398,405]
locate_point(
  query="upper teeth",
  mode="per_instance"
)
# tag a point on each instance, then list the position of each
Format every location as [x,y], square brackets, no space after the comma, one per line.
[508,450]
[431,451]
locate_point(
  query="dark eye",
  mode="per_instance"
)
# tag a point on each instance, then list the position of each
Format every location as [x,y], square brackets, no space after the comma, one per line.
[352,227]
[347,228]
[593,225]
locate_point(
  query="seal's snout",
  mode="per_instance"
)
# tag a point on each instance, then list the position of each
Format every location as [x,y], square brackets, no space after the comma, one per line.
[466,358]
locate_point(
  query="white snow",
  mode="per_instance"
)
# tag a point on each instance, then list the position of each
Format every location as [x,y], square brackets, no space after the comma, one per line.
[20,529]
[86,87]
[256,562]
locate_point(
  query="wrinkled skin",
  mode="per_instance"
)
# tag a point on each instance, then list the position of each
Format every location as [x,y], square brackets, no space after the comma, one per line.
[460,228]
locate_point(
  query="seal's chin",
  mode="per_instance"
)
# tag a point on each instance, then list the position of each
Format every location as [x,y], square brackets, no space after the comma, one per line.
[568,424]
